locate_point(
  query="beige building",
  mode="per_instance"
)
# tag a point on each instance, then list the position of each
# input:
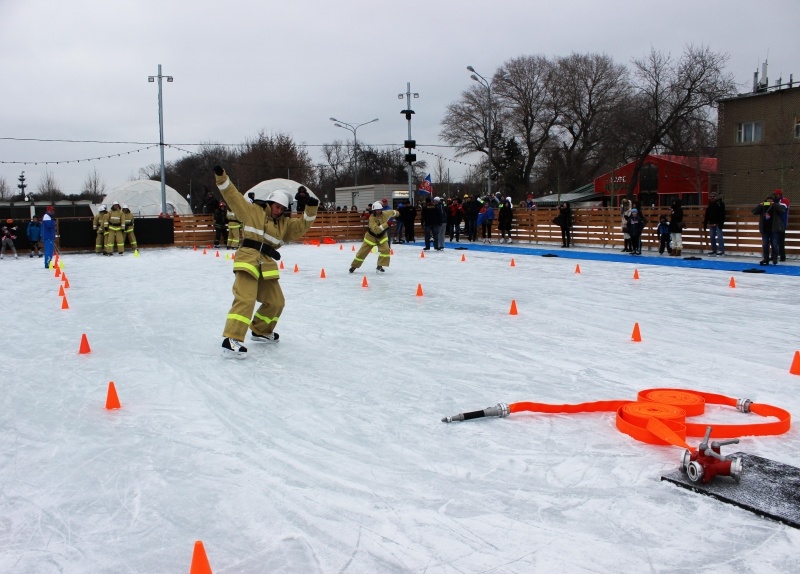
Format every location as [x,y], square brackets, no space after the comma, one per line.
[758,139]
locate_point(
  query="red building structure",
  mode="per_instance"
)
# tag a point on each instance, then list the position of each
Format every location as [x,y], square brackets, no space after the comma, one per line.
[662,179]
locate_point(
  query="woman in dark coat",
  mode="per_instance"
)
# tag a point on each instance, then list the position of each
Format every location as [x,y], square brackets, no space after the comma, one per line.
[504,220]
[565,222]
[676,226]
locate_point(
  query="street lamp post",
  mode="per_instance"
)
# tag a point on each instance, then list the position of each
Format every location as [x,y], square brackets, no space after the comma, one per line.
[161,137]
[488,85]
[354,129]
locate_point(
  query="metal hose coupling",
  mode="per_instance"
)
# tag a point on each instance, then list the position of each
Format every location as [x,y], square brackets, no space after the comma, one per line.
[743,405]
[499,410]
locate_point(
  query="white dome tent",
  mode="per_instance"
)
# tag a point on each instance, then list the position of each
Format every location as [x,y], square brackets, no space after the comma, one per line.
[263,189]
[143,198]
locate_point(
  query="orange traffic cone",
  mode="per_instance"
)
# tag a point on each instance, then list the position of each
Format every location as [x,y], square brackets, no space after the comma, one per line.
[463,257]
[419,289]
[282,265]
[732,283]
[513,310]
[296,268]
[84,349]
[364,282]
[512,263]
[58,271]
[233,255]
[195,248]
[217,254]
[636,337]
[112,400]
[391,252]
[635,273]
[204,250]
[64,304]
[200,563]
[795,368]
[340,247]
[65,280]
[322,274]
[61,290]
[422,255]
[352,248]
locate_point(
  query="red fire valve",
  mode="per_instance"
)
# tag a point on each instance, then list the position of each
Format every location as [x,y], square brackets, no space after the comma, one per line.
[707,462]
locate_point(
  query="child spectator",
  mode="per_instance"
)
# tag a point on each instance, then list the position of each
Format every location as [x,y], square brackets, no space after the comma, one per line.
[663,236]
[34,233]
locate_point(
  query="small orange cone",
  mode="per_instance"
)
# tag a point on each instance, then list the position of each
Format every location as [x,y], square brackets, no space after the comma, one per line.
[635,273]
[64,304]
[217,254]
[512,263]
[422,255]
[513,310]
[322,274]
[112,400]
[364,282]
[578,269]
[58,271]
[282,265]
[732,283]
[352,248]
[391,252]
[195,248]
[200,563]
[204,251]
[296,268]
[340,247]
[419,289]
[463,257]
[85,348]
[795,368]
[65,280]
[233,255]
[636,337]
[61,290]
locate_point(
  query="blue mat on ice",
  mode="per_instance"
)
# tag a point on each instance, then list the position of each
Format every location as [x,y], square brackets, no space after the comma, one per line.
[704,262]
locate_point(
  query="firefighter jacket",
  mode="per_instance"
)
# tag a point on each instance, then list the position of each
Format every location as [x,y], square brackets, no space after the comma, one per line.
[114,220]
[260,228]
[378,224]
[99,221]
[233,221]
[127,220]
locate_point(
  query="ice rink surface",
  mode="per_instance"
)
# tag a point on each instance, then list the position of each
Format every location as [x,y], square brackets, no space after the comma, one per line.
[325,452]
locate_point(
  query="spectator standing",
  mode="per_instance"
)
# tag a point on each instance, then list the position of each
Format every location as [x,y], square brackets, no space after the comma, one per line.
[472,208]
[399,224]
[782,233]
[437,202]
[34,233]
[221,224]
[457,215]
[714,220]
[625,211]
[636,223]
[565,222]
[770,224]
[409,216]
[9,235]
[485,220]
[210,203]
[676,226]
[49,235]
[504,219]
[431,222]
[663,236]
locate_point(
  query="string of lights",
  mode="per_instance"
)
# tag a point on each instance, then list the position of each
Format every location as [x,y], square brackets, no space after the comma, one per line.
[67,161]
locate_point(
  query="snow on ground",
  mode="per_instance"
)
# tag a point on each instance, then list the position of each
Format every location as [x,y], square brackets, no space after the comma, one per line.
[325,452]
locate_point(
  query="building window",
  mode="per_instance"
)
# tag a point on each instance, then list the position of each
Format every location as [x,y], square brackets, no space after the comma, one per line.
[748,132]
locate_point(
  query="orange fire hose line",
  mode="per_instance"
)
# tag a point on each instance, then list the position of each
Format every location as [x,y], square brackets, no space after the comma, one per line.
[659,415]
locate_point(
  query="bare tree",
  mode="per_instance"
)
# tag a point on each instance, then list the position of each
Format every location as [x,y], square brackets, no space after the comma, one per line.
[441,174]
[94,188]
[150,171]
[668,93]
[49,189]
[5,190]
[465,122]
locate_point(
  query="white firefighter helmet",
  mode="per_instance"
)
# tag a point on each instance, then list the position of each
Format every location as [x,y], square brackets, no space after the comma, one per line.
[279,196]
[124,206]
[377,206]
[103,207]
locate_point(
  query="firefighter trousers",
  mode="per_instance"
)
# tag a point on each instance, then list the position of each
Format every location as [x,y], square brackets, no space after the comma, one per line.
[247,290]
[115,236]
[366,247]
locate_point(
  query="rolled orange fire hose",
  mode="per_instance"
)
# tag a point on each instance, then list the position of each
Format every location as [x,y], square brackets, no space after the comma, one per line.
[659,415]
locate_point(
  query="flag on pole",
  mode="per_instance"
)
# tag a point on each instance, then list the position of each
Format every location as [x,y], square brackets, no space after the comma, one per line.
[426,186]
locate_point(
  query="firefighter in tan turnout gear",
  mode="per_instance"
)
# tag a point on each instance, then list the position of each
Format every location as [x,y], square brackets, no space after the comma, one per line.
[376,235]
[127,218]
[99,226]
[255,271]
[114,225]
[234,230]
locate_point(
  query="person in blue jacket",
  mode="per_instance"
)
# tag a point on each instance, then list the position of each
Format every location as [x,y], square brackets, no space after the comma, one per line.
[34,233]
[485,219]
[48,235]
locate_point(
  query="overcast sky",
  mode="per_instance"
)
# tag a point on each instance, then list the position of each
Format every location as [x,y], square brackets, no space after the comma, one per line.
[78,70]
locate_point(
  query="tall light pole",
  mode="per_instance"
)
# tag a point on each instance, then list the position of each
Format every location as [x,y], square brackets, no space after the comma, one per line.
[488,85]
[354,129]
[161,137]
[409,143]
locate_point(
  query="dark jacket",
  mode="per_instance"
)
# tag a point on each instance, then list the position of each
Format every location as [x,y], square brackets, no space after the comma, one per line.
[430,215]
[636,223]
[300,197]
[220,218]
[715,214]
[770,218]
[676,218]
[34,231]
[505,216]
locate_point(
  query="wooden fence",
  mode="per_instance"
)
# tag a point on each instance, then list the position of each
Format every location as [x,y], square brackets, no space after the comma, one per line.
[595,227]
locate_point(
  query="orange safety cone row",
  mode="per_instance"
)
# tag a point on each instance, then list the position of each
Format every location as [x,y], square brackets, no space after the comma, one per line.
[513,310]
[112,400]
[200,563]
[296,268]
[64,304]
[636,336]
[61,290]
[512,263]
[635,273]
[85,349]
[578,268]
[732,283]
[463,257]
[795,368]
[322,274]
[364,282]
[419,290]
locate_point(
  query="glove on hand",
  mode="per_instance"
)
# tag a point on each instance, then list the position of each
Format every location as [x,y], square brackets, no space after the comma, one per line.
[218,170]
[312,201]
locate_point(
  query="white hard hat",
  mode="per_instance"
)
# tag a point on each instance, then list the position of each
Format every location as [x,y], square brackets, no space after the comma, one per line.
[377,206]
[103,207]
[124,206]
[437,199]
[279,196]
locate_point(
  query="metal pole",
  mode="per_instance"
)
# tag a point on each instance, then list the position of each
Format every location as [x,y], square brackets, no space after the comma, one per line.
[355,155]
[488,85]
[161,146]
